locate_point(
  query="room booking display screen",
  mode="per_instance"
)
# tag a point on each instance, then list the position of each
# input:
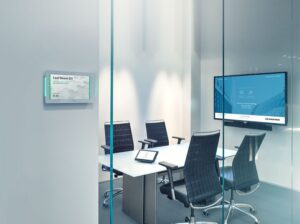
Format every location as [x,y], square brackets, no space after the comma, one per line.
[69,87]
[146,155]
[254,98]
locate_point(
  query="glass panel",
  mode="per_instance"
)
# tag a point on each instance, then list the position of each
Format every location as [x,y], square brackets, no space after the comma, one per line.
[107,187]
[152,82]
[258,40]
[207,62]
[165,54]
[296,111]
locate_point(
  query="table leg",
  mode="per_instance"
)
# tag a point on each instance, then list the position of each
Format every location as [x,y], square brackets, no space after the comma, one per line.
[133,197]
[150,199]
[139,198]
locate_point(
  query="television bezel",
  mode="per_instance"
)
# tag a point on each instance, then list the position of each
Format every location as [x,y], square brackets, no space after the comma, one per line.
[255,122]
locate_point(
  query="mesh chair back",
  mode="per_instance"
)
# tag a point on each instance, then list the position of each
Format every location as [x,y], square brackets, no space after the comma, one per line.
[123,140]
[157,130]
[201,179]
[243,166]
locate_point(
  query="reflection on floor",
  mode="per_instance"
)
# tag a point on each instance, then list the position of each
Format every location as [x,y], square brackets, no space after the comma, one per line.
[273,205]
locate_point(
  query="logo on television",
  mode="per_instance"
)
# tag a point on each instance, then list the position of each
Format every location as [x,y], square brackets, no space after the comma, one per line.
[272,119]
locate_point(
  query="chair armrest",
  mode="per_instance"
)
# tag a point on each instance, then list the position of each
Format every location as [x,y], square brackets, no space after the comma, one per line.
[179,139]
[151,140]
[105,168]
[106,148]
[170,167]
[144,143]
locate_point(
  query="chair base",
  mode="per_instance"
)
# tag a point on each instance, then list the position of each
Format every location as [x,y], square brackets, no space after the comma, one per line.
[192,219]
[116,192]
[232,206]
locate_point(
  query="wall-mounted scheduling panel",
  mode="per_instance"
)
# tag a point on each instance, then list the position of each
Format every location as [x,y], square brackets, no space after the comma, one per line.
[68,87]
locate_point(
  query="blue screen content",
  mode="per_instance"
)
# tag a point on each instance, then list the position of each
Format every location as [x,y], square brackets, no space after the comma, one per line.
[257,98]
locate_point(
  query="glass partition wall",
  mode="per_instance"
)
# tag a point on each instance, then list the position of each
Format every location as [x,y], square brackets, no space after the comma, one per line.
[295,107]
[261,38]
[159,63]
[155,47]
[110,188]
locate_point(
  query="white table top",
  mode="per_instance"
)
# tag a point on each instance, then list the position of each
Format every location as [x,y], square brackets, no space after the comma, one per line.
[125,161]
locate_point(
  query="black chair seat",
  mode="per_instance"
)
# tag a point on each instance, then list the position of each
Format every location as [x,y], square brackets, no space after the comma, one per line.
[228,177]
[229,182]
[180,191]
[181,194]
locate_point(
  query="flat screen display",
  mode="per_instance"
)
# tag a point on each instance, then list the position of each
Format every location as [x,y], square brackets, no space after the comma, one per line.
[252,98]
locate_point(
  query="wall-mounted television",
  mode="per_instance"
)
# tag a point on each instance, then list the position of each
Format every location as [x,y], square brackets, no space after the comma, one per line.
[252,98]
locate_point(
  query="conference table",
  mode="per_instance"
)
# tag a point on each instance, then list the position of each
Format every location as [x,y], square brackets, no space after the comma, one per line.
[140,179]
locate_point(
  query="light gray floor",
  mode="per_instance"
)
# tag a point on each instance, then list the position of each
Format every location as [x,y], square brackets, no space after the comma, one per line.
[273,205]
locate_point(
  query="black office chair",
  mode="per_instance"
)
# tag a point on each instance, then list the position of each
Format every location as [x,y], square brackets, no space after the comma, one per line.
[123,142]
[242,176]
[201,184]
[157,134]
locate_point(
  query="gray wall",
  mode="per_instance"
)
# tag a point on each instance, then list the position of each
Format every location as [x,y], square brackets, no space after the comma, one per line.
[48,154]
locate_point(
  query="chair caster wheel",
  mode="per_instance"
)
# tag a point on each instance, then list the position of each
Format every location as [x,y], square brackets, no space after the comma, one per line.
[256,222]
[205,213]
[105,205]
[187,219]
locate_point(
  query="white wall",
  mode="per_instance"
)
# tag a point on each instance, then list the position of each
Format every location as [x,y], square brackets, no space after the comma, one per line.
[152,64]
[48,154]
